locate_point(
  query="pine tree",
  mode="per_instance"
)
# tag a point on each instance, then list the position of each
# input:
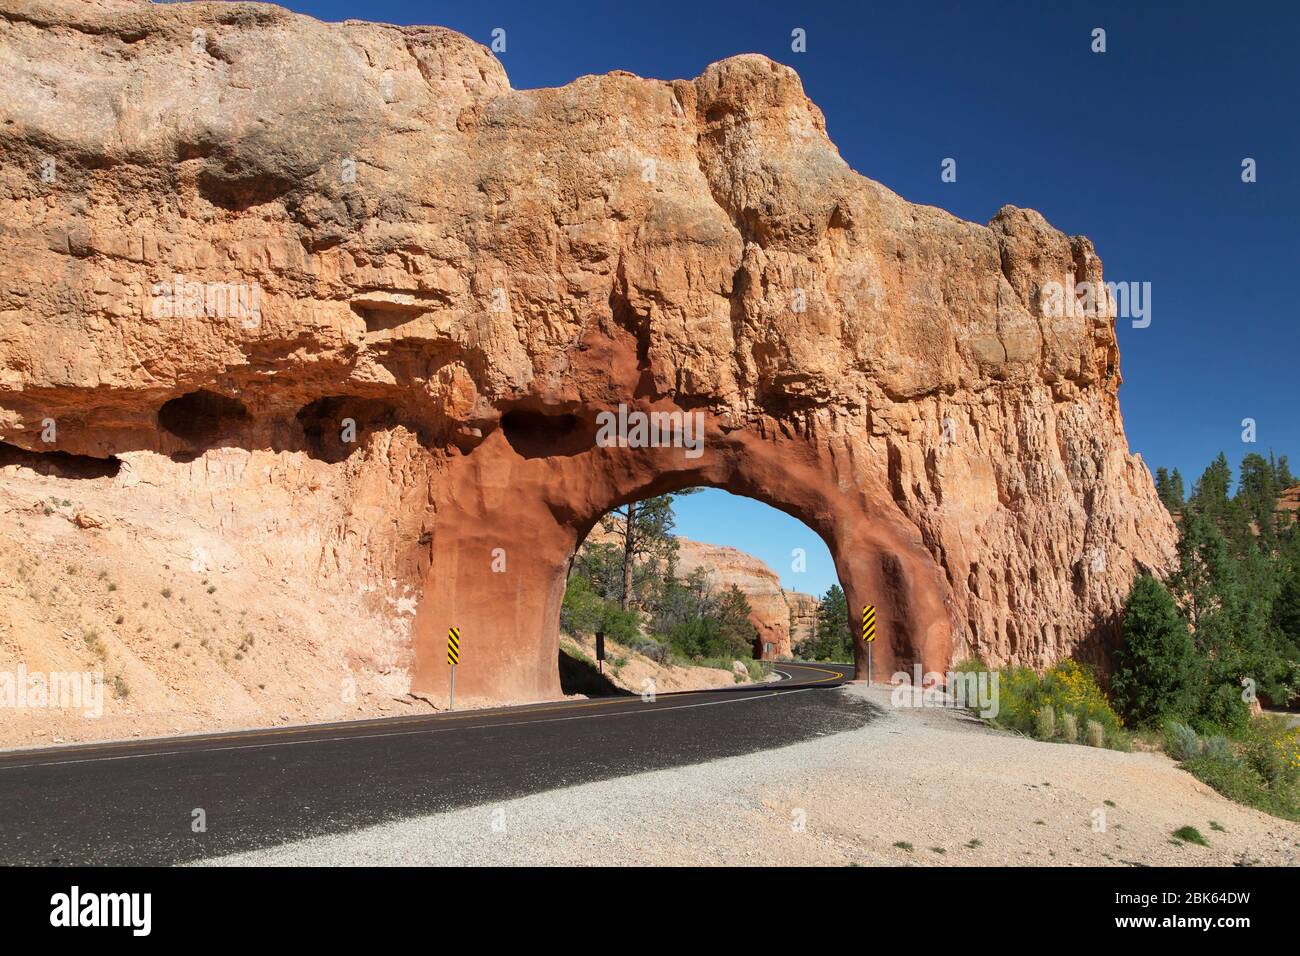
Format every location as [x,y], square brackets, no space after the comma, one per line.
[1257,493]
[1155,668]
[737,635]
[645,534]
[1169,488]
[1162,486]
[1210,494]
[834,640]
[1204,567]
[1286,609]
[1176,490]
[1283,471]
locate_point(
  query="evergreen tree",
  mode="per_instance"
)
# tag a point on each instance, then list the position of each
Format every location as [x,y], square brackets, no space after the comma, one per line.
[834,638]
[1204,567]
[644,531]
[1155,669]
[1210,494]
[1163,490]
[1177,492]
[1257,493]
[1169,488]
[1282,470]
[1286,610]
[737,636]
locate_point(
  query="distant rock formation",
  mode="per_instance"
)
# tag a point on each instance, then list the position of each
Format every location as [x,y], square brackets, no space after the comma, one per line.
[782,618]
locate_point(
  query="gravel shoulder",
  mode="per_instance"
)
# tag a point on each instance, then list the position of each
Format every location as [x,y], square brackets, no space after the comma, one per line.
[932,778]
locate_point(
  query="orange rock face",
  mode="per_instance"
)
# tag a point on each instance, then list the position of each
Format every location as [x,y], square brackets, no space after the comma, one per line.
[344,270]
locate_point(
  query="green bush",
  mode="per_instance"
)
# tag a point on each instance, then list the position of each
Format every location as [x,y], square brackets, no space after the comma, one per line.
[1024,698]
[1155,667]
[1272,749]
[1181,741]
[1189,835]
[1222,709]
[583,611]
[1261,770]
[1218,747]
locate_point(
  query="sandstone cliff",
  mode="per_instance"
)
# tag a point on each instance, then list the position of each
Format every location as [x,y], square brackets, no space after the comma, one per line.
[773,609]
[341,308]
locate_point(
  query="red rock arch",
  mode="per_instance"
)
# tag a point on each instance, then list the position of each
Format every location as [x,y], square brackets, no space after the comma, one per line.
[506,264]
[507,500]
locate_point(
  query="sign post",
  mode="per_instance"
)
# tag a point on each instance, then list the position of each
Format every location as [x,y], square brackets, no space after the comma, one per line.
[868,632]
[600,650]
[453,658]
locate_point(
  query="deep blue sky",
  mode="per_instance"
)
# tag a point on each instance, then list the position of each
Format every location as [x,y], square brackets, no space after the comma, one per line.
[1139,148]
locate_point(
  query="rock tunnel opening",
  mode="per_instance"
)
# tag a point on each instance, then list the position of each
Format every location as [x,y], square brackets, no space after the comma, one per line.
[515,510]
[712,584]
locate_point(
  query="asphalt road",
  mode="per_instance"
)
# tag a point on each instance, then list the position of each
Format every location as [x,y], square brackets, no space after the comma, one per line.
[137,802]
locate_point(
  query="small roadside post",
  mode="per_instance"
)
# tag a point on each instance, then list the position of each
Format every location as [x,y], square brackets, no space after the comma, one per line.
[600,650]
[868,632]
[453,658]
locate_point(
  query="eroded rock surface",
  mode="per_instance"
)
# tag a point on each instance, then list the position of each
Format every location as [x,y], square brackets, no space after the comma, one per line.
[356,304]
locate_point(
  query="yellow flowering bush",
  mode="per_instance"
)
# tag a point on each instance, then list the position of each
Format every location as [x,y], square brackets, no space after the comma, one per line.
[1067,688]
[1260,769]
[1273,750]
[1290,748]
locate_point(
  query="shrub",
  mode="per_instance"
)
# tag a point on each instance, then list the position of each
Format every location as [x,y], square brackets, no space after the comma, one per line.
[1262,770]
[1070,685]
[1273,751]
[1069,728]
[1222,710]
[1045,722]
[1067,688]
[1181,742]
[583,611]
[1018,698]
[1218,747]
[654,650]
[1190,835]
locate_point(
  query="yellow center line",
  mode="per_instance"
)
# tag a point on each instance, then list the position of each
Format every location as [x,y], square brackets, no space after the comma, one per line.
[831,675]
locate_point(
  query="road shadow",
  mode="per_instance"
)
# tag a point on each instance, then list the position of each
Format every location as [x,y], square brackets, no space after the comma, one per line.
[584,677]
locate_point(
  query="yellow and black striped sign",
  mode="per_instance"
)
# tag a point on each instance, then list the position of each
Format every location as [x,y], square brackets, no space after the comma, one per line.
[868,623]
[453,646]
